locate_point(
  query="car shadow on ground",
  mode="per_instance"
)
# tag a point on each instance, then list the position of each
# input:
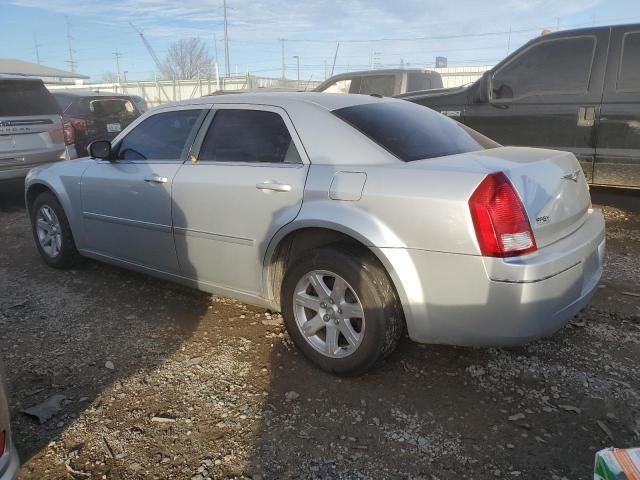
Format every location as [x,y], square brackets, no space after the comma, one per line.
[427,411]
[435,411]
[79,332]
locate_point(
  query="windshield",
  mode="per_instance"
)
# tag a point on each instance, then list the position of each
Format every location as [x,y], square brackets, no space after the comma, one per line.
[412,132]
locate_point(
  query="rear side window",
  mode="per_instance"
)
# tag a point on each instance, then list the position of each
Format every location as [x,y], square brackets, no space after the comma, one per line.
[21,98]
[554,66]
[111,106]
[377,84]
[412,132]
[63,101]
[252,136]
[160,137]
[629,77]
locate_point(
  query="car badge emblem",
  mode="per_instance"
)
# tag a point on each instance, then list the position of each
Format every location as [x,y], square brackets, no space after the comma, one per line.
[572,176]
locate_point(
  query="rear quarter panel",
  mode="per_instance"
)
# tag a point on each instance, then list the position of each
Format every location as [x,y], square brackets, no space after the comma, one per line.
[400,207]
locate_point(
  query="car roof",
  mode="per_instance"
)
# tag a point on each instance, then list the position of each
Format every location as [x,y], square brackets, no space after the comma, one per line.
[14,77]
[88,93]
[383,71]
[327,101]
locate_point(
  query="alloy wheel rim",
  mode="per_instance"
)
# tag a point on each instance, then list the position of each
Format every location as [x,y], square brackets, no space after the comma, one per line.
[329,314]
[49,231]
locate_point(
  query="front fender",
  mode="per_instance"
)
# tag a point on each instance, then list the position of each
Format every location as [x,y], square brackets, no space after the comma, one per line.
[63,179]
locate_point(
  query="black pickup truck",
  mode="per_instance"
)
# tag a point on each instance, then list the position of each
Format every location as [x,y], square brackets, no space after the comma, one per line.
[576,90]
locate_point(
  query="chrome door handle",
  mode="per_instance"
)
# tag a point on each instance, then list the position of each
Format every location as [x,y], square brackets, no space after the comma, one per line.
[156,179]
[273,185]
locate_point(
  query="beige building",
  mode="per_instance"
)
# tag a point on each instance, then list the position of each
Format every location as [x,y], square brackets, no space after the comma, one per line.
[50,76]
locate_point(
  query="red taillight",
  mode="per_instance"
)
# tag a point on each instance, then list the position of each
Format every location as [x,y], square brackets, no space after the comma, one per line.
[499,218]
[78,123]
[2,443]
[69,133]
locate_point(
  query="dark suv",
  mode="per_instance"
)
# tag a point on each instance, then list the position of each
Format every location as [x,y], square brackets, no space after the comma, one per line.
[577,90]
[95,116]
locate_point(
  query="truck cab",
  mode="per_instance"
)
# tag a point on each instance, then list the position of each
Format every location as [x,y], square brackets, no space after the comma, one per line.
[386,83]
[576,90]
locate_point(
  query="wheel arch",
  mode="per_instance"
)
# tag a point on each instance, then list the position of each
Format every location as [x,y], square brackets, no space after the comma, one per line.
[298,237]
[33,190]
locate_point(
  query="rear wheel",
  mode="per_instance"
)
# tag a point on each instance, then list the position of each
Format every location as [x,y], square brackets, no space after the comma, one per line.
[340,309]
[52,232]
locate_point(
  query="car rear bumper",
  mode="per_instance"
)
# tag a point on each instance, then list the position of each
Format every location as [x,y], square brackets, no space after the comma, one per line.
[478,301]
[9,464]
[18,169]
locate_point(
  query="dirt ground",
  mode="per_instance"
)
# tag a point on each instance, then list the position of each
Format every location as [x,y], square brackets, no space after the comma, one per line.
[164,382]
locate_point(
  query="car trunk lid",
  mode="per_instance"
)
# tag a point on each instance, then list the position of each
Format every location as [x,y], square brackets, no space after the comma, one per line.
[550,184]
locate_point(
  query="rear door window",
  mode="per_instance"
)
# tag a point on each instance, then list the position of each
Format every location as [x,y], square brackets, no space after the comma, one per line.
[413,132]
[629,76]
[253,136]
[162,136]
[423,81]
[26,97]
[555,66]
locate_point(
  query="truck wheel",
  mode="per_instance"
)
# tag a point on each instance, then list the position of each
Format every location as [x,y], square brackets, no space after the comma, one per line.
[52,232]
[340,309]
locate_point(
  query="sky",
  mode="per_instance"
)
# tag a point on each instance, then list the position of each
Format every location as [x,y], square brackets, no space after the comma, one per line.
[389,32]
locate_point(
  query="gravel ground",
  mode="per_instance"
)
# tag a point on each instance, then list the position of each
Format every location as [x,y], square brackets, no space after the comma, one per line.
[157,381]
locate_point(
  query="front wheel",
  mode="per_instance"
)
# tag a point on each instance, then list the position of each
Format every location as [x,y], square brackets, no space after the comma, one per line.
[52,233]
[340,309]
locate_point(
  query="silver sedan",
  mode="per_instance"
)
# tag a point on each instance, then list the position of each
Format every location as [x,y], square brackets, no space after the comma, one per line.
[357,217]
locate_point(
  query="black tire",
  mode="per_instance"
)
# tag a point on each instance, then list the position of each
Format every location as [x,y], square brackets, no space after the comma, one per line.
[382,310]
[68,255]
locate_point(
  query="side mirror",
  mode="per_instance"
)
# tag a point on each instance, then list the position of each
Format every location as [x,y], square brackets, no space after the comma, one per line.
[100,149]
[485,88]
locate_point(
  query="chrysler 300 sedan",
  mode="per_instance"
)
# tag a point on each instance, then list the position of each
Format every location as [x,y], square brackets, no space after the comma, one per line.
[356,217]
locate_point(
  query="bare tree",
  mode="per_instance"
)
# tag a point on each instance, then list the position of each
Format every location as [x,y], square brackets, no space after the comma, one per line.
[187,59]
[109,77]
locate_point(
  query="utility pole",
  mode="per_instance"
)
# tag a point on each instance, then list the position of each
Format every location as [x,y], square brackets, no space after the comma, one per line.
[35,41]
[297,57]
[226,40]
[215,46]
[374,57]
[70,62]
[509,41]
[284,73]
[117,56]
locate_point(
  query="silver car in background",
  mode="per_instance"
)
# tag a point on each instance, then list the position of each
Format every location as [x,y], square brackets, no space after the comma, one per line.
[9,462]
[31,127]
[356,217]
